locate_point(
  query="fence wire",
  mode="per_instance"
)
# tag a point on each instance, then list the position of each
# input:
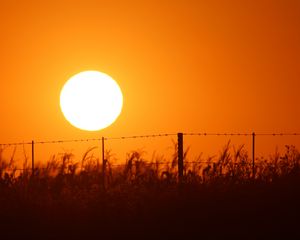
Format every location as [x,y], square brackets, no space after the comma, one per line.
[90,139]
[102,139]
[145,163]
[148,136]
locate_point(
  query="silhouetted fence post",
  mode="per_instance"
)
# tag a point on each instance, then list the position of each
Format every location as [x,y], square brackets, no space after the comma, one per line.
[253,154]
[180,156]
[103,163]
[32,158]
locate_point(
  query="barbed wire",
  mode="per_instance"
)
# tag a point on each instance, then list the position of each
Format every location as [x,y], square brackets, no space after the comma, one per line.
[15,144]
[148,136]
[217,134]
[241,134]
[142,136]
[278,134]
[65,141]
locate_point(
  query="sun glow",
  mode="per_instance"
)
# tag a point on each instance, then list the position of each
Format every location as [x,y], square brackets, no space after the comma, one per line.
[91,100]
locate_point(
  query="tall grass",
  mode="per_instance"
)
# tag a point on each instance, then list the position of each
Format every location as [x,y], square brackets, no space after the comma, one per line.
[232,164]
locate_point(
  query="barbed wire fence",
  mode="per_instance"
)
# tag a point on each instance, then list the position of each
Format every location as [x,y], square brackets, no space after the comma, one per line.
[180,145]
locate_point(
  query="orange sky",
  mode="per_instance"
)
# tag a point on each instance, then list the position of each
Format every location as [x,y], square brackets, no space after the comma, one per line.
[214,66]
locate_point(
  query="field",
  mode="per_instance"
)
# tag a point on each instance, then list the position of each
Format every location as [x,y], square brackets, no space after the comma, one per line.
[143,199]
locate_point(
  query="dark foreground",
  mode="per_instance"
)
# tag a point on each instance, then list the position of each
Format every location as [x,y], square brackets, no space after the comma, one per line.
[246,211]
[221,202]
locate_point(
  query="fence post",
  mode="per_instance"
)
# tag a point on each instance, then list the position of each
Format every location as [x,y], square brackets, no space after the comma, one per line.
[32,158]
[103,163]
[253,154]
[180,156]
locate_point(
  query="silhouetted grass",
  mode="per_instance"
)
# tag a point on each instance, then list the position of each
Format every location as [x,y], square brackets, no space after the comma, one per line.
[142,199]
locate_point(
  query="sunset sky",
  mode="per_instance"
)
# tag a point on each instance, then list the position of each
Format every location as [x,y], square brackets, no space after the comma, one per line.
[192,66]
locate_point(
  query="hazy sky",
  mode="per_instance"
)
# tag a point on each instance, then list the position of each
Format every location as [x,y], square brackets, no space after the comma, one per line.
[182,65]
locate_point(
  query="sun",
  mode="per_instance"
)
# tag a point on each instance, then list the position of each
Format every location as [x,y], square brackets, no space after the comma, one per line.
[91,100]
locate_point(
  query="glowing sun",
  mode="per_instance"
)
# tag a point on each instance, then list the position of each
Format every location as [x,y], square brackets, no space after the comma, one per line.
[91,100]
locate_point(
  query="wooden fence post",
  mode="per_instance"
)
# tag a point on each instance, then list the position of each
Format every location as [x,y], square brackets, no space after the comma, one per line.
[103,162]
[253,155]
[180,156]
[32,158]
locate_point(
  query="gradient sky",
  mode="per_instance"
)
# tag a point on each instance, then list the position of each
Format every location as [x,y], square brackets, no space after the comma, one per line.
[213,66]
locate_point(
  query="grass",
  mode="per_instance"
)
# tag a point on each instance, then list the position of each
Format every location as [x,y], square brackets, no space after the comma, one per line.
[142,199]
